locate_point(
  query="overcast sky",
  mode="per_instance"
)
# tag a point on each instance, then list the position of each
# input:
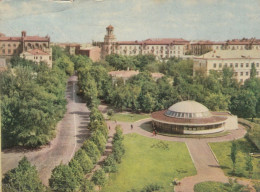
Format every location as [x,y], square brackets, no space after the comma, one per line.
[86,20]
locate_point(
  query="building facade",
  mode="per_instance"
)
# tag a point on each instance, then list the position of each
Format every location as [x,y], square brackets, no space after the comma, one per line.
[241,61]
[162,48]
[37,55]
[15,46]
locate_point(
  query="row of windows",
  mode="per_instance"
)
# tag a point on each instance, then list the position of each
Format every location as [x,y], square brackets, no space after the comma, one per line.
[8,45]
[235,65]
[152,47]
[186,115]
[9,51]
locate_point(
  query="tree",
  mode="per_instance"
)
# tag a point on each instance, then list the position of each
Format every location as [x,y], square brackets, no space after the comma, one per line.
[252,71]
[99,178]
[249,165]
[110,165]
[87,186]
[66,64]
[244,104]
[63,180]
[233,155]
[100,141]
[217,102]
[84,160]
[77,170]
[91,150]
[23,178]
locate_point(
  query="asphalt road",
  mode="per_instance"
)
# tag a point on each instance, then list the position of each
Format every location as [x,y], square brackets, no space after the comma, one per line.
[71,133]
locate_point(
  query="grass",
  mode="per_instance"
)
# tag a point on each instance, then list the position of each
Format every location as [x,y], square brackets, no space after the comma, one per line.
[222,152]
[217,187]
[148,127]
[129,117]
[150,161]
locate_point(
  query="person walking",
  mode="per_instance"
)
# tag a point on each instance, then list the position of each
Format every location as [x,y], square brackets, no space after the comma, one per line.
[132,126]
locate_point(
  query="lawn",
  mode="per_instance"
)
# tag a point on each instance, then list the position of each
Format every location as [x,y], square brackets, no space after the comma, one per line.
[218,187]
[150,161]
[125,117]
[222,151]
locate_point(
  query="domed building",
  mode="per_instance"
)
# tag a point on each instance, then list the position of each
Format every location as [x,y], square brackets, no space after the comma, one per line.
[191,117]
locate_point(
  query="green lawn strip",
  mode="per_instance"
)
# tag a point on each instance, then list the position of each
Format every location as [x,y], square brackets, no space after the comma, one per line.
[216,187]
[129,117]
[222,152]
[143,164]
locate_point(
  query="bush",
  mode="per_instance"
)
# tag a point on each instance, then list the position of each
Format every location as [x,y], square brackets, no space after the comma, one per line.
[84,160]
[110,165]
[99,177]
[110,112]
[77,170]
[91,150]
[118,151]
[118,136]
[87,186]
[23,178]
[63,179]
[100,141]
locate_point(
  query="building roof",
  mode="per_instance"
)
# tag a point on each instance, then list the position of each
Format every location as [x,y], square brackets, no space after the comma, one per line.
[37,52]
[161,117]
[2,35]
[188,107]
[123,74]
[231,54]
[156,41]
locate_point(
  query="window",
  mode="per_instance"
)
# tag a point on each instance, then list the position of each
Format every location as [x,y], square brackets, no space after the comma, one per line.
[246,73]
[247,65]
[40,57]
[9,45]
[236,65]
[225,64]
[220,65]
[257,65]
[3,51]
[214,65]
[9,51]
[231,64]
[14,45]
[241,73]
[241,65]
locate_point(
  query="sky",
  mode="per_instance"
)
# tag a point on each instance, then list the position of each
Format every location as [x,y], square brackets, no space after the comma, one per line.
[85,20]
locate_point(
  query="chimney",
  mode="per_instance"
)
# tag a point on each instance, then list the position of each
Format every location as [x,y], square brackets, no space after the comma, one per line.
[23,33]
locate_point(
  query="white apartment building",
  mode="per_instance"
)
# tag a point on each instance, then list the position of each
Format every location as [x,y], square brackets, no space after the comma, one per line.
[240,60]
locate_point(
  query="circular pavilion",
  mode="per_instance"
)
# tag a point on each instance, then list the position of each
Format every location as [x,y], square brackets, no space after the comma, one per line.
[191,117]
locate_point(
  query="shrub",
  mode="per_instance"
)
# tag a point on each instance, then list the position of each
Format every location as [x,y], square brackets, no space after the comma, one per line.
[91,150]
[77,170]
[99,178]
[23,178]
[100,141]
[84,160]
[87,186]
[110,165]
[118,151]
[63,179]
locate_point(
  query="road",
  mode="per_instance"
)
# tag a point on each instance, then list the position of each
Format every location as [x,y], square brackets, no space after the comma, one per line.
[71,133]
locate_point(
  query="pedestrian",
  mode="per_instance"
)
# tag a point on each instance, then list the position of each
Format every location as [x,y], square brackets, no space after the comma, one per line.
[153,133]
[109,127]
[132,126]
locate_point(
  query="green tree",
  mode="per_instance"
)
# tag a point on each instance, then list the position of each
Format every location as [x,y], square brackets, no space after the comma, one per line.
[244,104]
[110,165]
[249,165]
[233,155]
[84,160]
[65,64]
[63,179]
[87,186]
[217,102]
[77,171]
[99,178]
[98,138]
[91,150]
[252,71]
[23,178]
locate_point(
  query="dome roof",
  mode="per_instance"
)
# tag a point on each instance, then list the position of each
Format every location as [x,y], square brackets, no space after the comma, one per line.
[188,109]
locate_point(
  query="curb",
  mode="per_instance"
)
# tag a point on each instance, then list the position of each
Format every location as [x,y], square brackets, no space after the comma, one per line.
[213,153]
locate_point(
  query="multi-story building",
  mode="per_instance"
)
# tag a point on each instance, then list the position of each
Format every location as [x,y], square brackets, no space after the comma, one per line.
[241,61]
[37,56]
[11,46]
[202,47]
[162,48]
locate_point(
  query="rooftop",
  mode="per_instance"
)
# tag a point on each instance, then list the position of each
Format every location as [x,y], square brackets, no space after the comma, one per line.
[37,52]
[230,54]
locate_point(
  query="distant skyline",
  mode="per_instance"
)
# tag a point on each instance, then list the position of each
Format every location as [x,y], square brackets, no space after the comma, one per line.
[85,20]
